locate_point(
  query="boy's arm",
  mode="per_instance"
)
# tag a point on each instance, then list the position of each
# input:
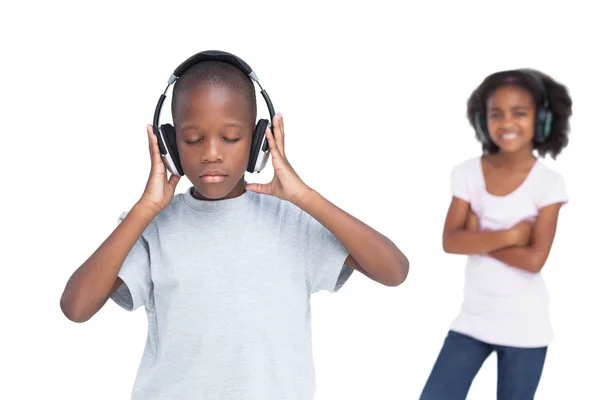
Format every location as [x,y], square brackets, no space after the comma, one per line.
[92,284]
[371,253]
[533,257]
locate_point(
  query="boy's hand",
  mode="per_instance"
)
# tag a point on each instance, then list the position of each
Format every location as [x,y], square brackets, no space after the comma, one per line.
[286,183]
[159,191]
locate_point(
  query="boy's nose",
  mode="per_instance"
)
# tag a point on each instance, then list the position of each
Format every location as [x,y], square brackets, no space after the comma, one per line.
[212,152]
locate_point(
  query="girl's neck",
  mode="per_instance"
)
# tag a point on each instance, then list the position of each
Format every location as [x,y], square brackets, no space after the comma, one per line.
[513,160]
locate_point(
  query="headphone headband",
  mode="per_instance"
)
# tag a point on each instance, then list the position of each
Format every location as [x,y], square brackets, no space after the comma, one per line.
[214,55]
[259,151]
[538,81]
[512,76]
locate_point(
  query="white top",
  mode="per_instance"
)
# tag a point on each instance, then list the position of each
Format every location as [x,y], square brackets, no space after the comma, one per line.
[502,304]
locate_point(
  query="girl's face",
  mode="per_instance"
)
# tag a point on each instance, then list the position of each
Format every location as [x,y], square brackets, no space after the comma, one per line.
[511,118]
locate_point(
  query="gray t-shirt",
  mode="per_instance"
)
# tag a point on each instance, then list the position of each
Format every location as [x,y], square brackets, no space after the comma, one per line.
[226,286]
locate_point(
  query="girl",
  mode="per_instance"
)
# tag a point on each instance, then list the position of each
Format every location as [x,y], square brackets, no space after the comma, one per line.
[503,215]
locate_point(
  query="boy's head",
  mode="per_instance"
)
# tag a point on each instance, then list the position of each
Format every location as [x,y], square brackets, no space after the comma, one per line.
[214,114]
[509,102]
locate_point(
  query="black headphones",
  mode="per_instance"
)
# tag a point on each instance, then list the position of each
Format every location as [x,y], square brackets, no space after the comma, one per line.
[167,144]
[543,118]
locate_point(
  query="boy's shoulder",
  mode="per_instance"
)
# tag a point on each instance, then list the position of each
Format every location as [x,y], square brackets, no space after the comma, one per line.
[249,205]
[284,212]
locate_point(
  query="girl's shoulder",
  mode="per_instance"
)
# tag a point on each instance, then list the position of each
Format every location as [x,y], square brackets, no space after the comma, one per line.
[545,171]
[548,185]
[467,166]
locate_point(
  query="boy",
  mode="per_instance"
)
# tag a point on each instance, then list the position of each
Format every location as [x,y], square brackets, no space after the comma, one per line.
[225,270]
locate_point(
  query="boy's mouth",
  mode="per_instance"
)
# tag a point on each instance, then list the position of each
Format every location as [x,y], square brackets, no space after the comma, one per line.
[213,176]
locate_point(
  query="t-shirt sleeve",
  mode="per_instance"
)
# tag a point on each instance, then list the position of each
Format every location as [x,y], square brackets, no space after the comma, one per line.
[326,269]
[458,182]
[135,272]
[553,191]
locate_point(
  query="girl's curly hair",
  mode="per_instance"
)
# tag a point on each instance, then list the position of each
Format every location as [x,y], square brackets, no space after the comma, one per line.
[558,97]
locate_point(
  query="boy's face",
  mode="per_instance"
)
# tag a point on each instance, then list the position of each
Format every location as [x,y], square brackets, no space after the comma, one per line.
[214,126]
[511,118]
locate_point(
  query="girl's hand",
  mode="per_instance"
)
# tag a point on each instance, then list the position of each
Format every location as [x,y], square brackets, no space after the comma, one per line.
[522,233]
[472,223]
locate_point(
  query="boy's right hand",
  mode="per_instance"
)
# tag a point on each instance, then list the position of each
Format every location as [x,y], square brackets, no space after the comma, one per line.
[521,233]
[159,190]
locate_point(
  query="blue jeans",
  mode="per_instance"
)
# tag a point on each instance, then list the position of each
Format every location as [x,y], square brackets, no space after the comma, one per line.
[461,357]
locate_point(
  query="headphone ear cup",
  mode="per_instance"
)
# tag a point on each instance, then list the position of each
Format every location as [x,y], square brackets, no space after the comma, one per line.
[257,139]
[543,125]
[168,132]
[481,127]
[548,124]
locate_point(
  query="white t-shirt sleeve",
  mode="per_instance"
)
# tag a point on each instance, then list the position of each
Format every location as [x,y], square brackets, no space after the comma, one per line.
[135,273]
[326,256]
[553,190]
[458,182]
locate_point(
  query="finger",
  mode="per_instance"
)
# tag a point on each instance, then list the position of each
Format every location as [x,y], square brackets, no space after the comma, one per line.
[259,188]
[282,128]
[275,153]
[279,134]
[173,181]
[150,146]
[157,164]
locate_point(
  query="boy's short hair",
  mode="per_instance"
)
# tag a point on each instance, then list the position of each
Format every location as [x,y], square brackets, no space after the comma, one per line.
[215,73]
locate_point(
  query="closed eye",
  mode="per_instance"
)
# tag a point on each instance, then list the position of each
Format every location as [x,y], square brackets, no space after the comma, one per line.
[200,140]
[193,141]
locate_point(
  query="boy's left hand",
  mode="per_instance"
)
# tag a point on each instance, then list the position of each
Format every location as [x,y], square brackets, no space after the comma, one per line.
[286,183]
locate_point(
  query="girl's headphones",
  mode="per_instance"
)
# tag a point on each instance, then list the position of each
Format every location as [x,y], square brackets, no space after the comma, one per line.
[543,118]
[167,144]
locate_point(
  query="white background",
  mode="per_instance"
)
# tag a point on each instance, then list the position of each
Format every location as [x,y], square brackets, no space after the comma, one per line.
[374,100]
